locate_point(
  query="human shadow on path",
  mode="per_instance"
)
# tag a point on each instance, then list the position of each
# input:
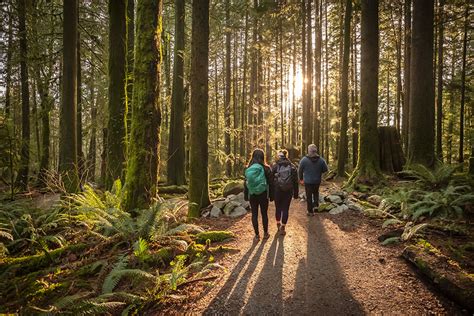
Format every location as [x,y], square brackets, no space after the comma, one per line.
[232,294]
[267,294]
[320,286]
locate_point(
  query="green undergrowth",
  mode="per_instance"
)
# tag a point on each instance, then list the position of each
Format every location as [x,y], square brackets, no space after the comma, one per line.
[87,256]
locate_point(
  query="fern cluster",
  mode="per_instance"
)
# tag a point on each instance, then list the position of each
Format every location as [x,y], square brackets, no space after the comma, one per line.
[23,228]
[434,193]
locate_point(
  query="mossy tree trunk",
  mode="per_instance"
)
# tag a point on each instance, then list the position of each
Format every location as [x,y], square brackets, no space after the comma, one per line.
[368,163]
[421,135]
[175,167]
[68,129]
[116,125]
[142,171]
[22,179]
[199,176]
[344,99]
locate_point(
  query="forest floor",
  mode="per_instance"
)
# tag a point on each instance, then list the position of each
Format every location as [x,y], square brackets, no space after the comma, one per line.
[326,264]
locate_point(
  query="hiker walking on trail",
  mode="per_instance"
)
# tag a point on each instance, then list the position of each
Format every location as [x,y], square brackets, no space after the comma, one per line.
[258,189]
[286,187]
[310,172]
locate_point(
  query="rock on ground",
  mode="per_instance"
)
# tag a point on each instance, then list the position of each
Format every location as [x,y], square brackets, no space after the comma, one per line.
[233,188]
[238,211]
[215,211]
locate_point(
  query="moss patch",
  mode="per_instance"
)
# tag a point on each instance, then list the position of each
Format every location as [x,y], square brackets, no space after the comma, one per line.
[214,236]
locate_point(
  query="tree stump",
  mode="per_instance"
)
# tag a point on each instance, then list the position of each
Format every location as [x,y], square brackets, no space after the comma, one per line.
[392,158]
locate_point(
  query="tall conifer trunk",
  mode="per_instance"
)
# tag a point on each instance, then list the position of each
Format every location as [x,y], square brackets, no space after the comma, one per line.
[176,154]
[344,100]
[116,137]
[68,115]
[199,155]
[421,135]
[142,171]
[22,179]
[368,163]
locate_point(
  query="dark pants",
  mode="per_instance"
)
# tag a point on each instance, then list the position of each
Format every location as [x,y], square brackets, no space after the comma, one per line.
[262,201]
[312,196]
[282,205]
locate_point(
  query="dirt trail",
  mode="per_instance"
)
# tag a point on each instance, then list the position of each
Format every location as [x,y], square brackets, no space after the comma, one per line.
[325,265]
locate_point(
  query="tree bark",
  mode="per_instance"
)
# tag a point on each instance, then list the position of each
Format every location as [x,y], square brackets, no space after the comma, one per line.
[116,136]
[439,93]
[406,73]
[142,170]
[344,98]
[68,115]
[176,154]
[308,127]
[368,163]
[228,86]
[80,153]
[22,179]
[463,86]
[421,131]
[199,177]
[8,66]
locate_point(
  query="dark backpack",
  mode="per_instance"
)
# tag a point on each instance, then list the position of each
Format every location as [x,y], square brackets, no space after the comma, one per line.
[284,177]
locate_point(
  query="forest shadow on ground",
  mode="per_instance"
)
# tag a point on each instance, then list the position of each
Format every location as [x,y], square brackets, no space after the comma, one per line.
[320,284]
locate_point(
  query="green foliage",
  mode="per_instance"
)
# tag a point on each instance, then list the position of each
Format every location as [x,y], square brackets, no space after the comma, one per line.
[103,214]
[23,228]
[178,272]
[140,250]
[213,236]
[431,179]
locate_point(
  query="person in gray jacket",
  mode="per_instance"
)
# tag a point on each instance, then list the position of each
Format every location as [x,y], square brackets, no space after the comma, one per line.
[310,172]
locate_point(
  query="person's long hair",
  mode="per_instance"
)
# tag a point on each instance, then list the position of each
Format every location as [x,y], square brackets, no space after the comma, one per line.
[258,156]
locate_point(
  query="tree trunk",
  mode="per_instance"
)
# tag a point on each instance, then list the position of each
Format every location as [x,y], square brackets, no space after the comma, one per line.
[308,130]
[344,99]
[129,66]
[116,137]
[439,93]
[355,95]
[142,170]
[326,86]
[406,73]
[317,73]
[91,155]
[391,153]
[22,179]
[463,86]
[68,123]
[304,93]
[199,177]
[176,168]
[243,116]
[8,66]
[399,73]
[80,153]
[368,163]
[421,131]
[228,86]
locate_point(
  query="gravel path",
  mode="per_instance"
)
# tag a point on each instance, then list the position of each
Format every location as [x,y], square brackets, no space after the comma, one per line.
[325,265]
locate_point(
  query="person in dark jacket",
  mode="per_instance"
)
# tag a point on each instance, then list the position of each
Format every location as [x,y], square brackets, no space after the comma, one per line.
[310,172]
[286,187]
[260,199]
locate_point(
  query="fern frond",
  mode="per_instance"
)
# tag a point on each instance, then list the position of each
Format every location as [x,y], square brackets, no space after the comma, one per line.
[111,281]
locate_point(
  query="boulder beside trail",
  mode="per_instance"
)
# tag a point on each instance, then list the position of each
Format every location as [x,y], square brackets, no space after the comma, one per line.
[338,210]
[219,203]
[230,207]
[334,199]
[375,199]
[215,211]
[238,211]
[233,187]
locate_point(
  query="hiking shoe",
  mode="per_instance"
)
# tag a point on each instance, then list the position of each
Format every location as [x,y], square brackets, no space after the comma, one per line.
[278,226]
[266,236]
[282,230]
[315,209]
